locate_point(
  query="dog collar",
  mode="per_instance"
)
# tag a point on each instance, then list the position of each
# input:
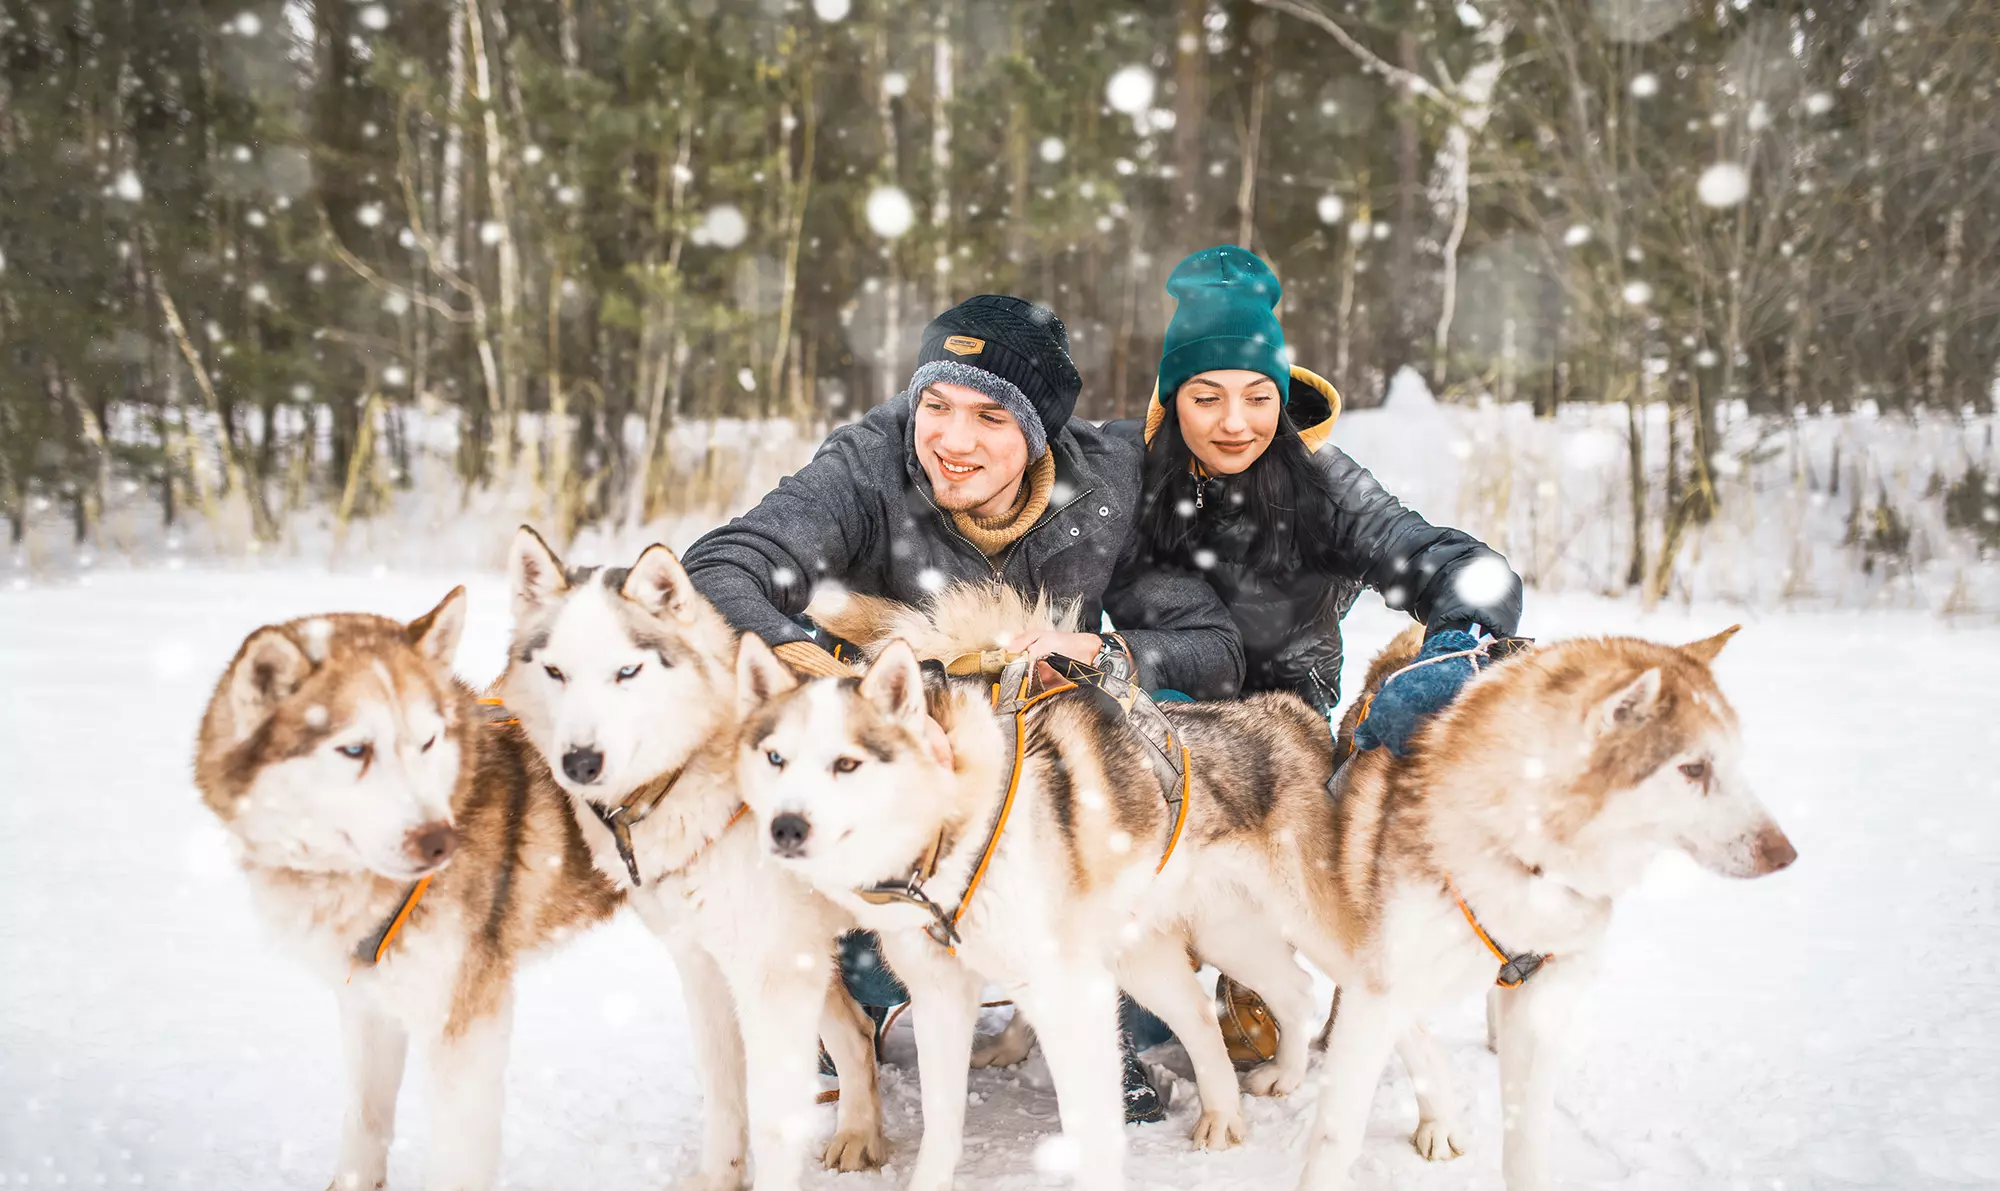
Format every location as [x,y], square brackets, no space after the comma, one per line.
[1515,969]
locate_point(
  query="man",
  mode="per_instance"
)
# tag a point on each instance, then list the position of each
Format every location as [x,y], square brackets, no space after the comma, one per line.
[978,471]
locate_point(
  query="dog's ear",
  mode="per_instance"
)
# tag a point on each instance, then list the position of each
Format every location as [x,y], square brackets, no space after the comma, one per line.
[269,667]
[435,634]
[895,683]
[534,572]
[1630,705]
[760,676]
[659,584]
[1704,650]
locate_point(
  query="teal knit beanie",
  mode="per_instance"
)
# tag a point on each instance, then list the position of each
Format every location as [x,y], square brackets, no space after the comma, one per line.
[1225,319]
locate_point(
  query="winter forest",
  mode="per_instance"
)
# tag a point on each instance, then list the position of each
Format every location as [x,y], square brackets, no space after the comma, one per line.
[1688,299]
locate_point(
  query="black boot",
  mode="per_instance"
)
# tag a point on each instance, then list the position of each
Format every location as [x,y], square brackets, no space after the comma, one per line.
[1142,1099]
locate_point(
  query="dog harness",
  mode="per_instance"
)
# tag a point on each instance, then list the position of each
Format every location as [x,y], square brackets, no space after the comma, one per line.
[1013,699]
[1515,969]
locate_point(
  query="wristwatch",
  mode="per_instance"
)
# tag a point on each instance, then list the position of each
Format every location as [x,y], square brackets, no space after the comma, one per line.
[1114,658]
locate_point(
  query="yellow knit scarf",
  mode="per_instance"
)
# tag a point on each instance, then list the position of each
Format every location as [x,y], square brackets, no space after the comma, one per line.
[994,534]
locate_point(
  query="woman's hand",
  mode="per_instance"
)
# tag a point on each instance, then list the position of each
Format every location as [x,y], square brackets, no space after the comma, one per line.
[1081,646]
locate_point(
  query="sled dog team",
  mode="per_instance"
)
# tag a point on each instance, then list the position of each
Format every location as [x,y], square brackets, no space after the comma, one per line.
[982,783]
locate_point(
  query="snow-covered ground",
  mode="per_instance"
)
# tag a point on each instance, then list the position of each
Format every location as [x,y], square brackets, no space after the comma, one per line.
[1836,1026]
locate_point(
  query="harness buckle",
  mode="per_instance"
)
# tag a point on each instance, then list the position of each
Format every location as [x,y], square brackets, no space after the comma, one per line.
[613,819]
[912,893]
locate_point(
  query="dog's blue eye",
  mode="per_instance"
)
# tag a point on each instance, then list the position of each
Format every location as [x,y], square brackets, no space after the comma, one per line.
[775,760]
[845,765]
[554,673]
[356,751]
[628,672]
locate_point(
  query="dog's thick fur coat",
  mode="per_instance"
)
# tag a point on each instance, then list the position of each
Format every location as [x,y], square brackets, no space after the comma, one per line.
[348,763]
[624,679]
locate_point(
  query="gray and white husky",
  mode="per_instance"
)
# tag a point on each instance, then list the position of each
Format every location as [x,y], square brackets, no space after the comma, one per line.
[624,679]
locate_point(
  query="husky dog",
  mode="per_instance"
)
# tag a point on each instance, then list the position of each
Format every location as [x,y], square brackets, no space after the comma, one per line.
[624,679]
[1524,809]
[1073,899]
[410,852]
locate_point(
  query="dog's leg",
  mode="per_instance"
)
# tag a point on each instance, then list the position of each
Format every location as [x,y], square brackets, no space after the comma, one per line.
[468,1070]
[1438,1134]
[1075,1010]
[858,1142]
[1493,1019]
[1535,1019]
[782,993]
[945,998]
[1253,952]
[375,1044]
[1356,1051]
[719,1062]
[1011,1045]
[1155,972]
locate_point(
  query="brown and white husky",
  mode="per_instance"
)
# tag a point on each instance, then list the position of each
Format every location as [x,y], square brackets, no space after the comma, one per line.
[624,679]
[411,853]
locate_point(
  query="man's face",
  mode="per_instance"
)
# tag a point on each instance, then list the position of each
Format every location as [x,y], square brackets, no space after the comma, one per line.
[971,448]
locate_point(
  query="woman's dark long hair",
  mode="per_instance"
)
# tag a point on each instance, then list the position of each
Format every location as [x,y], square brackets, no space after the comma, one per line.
[1287,505]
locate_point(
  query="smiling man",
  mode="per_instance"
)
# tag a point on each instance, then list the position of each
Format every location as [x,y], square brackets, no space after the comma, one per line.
[977,471]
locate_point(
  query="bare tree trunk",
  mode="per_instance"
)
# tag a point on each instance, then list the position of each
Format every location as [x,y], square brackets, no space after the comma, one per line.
[1635,456]
[1253,140]
[892,285]
[260,517]
[942,55]
[507,253]
[798,188]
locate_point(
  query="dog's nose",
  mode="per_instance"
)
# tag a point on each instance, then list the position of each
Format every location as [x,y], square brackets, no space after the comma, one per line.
[1774,850]
[431,844]
[583,765]
[789,832]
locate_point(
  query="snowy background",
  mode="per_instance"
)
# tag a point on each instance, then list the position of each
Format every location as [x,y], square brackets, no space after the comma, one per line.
[1831,1027]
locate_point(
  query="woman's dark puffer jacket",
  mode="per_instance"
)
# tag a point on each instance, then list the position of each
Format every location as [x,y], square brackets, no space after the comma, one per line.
[1290,622]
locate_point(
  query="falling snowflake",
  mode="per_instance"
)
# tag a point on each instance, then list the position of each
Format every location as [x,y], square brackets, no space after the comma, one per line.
[831,10]
[375,17]
[1645,86]
[1705,358]
[246,24]
[1331,208]
[395,376]
[127,186]
[260,294]
[1130,90]
[723,226]
[1056,1155]
[1469,16]
[1819,103]
[490,232]
[532,154]
[1577,235]
[368,214]
[890,212]
[1053,149]
[1638,293]
[931,579]
[254,218]
[396,304]
[895,84]
[747,379]
[1723,184]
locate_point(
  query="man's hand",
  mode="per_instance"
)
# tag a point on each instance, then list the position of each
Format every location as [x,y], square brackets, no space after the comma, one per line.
[1042,642]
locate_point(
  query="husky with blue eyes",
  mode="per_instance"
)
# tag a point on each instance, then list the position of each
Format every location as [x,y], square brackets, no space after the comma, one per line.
[625,679]
[412,853]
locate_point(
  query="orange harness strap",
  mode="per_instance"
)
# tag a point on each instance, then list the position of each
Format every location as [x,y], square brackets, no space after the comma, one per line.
[1514,969]
[1180,820]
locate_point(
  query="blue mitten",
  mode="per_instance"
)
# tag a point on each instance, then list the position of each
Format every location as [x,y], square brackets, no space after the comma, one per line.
[1417,692]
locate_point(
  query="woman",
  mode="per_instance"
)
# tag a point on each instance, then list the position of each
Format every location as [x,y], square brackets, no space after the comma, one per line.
[1240,483]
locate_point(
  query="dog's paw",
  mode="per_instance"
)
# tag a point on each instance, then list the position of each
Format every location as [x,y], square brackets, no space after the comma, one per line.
[1272,1079]
[1437,1141]
[356,1180]
[1219,1129]
[1010,1046]
[855,1150]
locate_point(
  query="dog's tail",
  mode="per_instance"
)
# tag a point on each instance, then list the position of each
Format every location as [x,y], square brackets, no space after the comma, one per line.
[963,618]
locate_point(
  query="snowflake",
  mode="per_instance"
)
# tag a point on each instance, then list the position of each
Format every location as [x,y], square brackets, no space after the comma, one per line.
[1577,235]
[1483,582]
[1331,208]
[831,10]
[1723,184]
[1131,90]
[1053,149]
[723,226]
[1645,86]
[375,17]
[889,212]
[127,187]
[1638,293]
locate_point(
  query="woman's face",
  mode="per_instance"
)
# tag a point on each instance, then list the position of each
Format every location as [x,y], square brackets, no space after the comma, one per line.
[1228,417]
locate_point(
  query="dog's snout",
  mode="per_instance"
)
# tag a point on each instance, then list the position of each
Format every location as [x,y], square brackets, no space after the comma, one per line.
[431,844]
[789,832]
[1774,849]
[583,765]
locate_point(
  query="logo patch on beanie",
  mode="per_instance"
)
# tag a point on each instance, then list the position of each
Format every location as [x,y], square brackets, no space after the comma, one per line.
[964,345]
